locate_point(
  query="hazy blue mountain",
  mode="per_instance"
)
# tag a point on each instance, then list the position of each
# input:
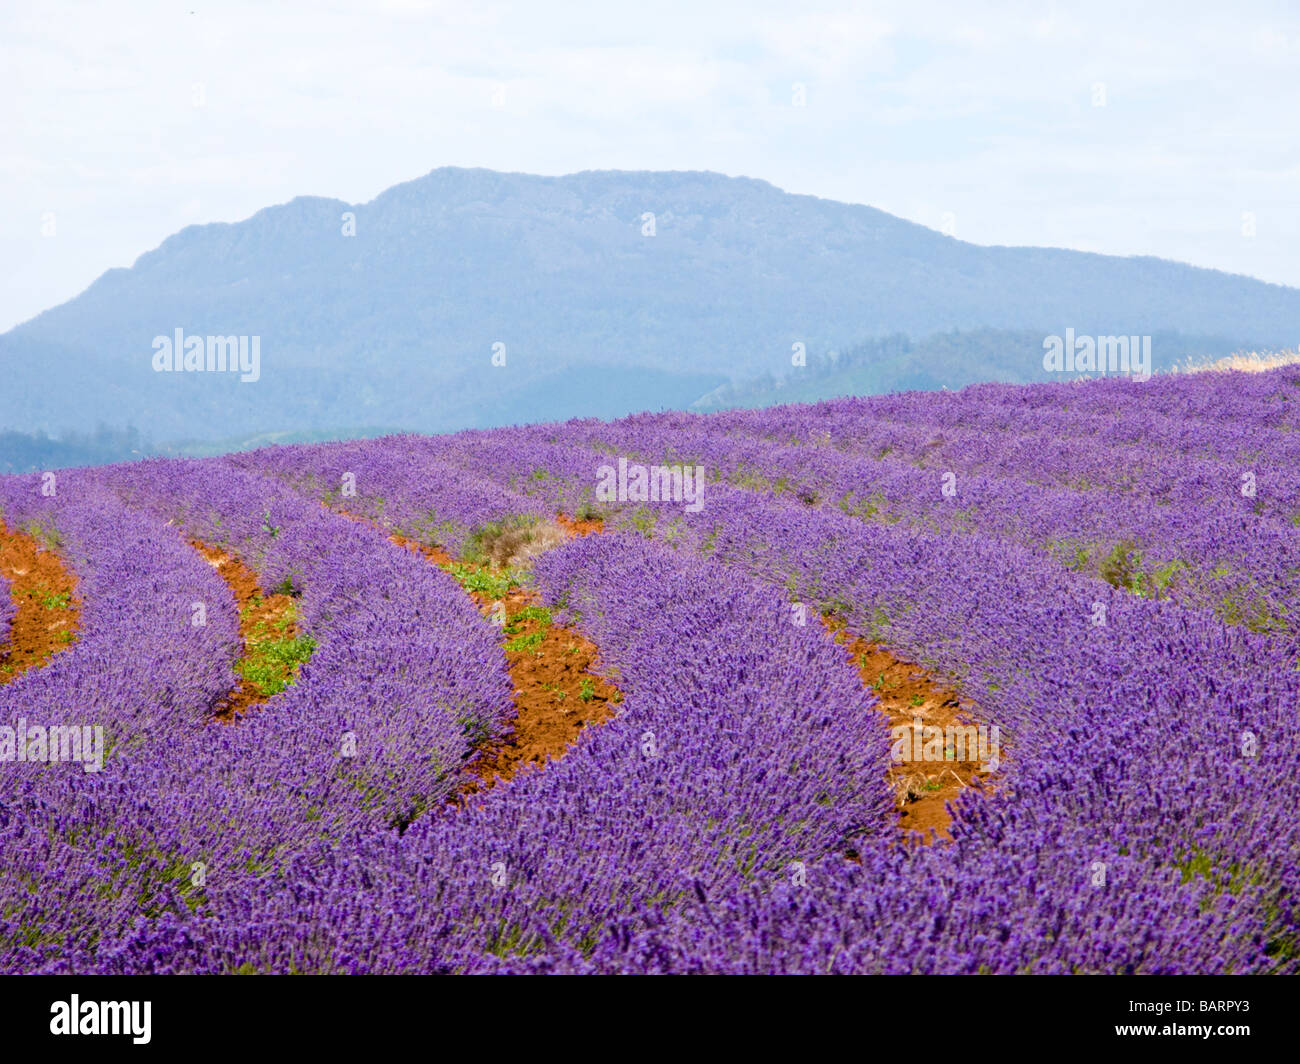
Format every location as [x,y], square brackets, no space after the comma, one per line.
[395,326]
[951,359]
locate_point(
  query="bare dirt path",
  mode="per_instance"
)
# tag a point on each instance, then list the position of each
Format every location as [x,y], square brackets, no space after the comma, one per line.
[556,692]
[47,611]
[908,694]
[269,630]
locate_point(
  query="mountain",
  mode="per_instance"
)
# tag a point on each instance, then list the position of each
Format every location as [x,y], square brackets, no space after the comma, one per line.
[396,325]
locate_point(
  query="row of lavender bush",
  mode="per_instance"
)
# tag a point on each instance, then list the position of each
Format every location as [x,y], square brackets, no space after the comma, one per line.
[1141,822]
[745,747]
[1217,534]
[197,818]
[74,842]
[1164,700]
[708,828]
[1084,708]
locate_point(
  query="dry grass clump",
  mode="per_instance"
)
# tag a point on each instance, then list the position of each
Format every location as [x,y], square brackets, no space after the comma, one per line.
[1246,361]
[514,548]
[913,786]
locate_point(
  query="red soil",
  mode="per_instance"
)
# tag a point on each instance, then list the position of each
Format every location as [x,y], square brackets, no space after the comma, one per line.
[579,527]
[906,692]
[257,613]
[48,613]
[551,674]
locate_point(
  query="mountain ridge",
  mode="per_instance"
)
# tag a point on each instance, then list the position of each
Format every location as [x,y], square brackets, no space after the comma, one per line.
[397,324]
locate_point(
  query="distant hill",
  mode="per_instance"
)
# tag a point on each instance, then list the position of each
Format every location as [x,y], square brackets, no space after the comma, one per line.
[27,452]
[396,326]
[950,359]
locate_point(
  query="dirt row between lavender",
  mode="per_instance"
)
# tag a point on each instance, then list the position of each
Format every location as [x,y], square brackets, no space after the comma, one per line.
[907,696]
[557,692]
[272,645]
[47,612]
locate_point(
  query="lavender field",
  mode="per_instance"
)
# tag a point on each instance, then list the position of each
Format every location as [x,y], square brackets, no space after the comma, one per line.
[1104,573]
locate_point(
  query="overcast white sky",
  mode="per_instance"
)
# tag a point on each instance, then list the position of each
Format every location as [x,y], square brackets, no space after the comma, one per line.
[127,122]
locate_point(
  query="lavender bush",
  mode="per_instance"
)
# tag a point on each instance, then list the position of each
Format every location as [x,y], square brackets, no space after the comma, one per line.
[1104,583]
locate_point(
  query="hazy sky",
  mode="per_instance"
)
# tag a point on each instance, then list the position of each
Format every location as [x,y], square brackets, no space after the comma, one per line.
[122,123]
